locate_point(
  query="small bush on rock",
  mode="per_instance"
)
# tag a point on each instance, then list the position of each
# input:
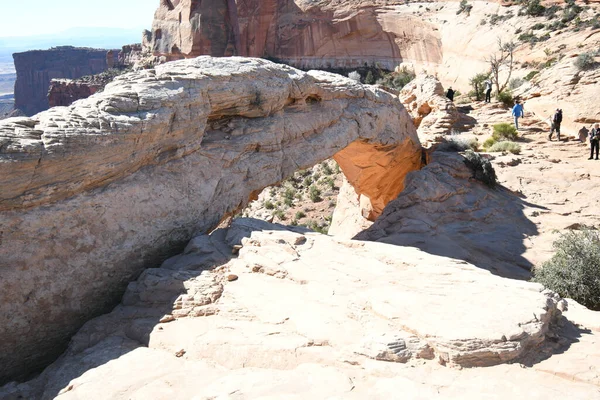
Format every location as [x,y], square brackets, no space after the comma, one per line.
[531,75]
[355,76]
[584,61]
[504,132]
[574,269]
[489,142]
[505,98]
[458,144]
[505,146]
[482,168]
[314,193]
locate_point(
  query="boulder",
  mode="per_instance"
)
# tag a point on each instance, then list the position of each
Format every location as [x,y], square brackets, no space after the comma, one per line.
[93,193]
[433,113]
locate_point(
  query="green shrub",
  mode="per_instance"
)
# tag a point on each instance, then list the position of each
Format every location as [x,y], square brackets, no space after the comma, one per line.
[489,143]
[584,61]
[538,26]
[397,80]
[574,269]
[369,79]
[505,98]
[328,181]
[481,167]
[505,146]
[279,214]
[326,168]
[315,226]
[533,8]
[531,75]
[455,144]
[314,193]
[571,11]
[528,37]
[477,83]
[269,205]
[288,202]
[300,215]
[550,12]
[307,181]
[504,131]
[465,7]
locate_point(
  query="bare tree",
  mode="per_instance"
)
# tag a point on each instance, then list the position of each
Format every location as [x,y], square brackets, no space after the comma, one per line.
[499,61]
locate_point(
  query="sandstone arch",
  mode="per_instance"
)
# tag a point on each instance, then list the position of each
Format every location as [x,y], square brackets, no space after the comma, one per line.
[92,193]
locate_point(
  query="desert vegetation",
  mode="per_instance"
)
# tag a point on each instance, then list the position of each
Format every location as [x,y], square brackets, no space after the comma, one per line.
[574,269]
[481,167]
[307,198]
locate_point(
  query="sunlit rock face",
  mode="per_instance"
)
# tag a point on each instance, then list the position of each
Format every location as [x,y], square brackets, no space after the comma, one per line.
[301,33]
[93,193]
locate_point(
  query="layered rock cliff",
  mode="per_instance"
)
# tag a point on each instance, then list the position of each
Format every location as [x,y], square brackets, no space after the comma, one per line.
[304,34]
[92,194]
[35,69]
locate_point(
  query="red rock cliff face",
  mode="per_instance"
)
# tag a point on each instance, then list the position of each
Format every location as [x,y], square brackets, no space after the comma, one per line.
[302,33]
[36,68]
[189,28]
[63,92]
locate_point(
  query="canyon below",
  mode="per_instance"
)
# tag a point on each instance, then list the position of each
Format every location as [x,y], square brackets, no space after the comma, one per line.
[231,216]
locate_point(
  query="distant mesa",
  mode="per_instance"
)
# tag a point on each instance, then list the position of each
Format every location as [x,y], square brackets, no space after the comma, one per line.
[35,69]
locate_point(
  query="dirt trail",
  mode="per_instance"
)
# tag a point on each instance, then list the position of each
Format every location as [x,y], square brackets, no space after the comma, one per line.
[556,179]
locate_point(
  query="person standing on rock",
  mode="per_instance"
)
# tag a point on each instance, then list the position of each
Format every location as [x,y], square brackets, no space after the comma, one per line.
[488,91]
[450,94]
[517,112]
[556,120]
[594,141]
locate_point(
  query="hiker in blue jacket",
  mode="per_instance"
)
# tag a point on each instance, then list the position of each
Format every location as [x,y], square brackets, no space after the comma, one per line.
[517,111]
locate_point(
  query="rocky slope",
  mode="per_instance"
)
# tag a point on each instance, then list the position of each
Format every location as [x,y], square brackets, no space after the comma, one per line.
[117,182]
[36,68]
[297,314]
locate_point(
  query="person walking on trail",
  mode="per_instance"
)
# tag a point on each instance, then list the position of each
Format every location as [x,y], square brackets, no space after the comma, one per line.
[594,141]
[488,91]
[450,94]
[517,112]
[556,120]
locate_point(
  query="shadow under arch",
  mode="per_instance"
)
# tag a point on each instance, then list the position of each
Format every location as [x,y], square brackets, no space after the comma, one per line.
[443,211]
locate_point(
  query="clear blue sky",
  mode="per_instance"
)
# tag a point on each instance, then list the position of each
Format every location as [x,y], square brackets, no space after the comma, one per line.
[35,17]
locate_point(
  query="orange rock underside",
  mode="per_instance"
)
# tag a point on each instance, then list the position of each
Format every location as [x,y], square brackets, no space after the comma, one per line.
[378,172]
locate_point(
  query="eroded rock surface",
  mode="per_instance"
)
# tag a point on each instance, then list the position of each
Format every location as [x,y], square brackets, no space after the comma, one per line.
[93,193]
[444,211]
[433,113]
[313,316]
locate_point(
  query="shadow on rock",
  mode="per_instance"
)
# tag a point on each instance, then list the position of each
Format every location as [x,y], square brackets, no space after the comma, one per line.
[562,334]
[445,212]
[185,285]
